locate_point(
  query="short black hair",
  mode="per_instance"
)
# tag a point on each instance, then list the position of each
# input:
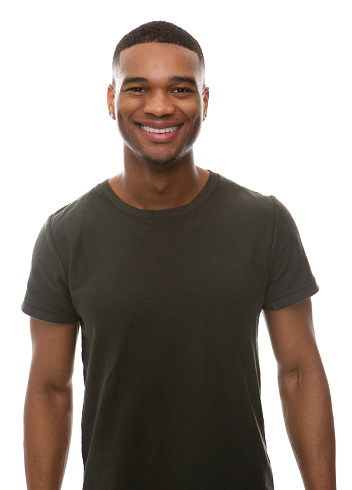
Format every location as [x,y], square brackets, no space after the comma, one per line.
[158,31]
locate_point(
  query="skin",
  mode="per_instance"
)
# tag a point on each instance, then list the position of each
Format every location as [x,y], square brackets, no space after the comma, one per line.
[305,394]
[157,174]
[161,174]
[48,404]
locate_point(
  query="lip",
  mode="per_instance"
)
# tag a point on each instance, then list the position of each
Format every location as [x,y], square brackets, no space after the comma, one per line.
[159,136]
[159,125]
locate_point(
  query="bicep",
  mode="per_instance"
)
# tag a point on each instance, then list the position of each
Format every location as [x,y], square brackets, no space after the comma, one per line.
[53,352]
[292,336]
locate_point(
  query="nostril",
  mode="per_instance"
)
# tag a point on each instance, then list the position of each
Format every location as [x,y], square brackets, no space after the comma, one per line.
[158,105]
[159,109]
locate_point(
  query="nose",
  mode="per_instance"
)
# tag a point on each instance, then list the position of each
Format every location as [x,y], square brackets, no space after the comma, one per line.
[159,103]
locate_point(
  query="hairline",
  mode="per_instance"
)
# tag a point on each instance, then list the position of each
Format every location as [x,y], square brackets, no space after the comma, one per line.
[117,61]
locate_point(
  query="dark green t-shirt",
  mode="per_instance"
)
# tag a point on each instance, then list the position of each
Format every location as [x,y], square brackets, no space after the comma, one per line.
[169,302]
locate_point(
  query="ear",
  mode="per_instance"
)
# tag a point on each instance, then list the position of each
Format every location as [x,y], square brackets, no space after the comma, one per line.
[205,102]
[111,101]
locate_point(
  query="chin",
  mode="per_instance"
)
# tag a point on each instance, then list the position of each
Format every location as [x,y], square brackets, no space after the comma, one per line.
[159,161]
[158,158]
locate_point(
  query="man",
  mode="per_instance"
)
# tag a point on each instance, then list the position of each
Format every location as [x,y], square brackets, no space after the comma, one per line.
[166,267]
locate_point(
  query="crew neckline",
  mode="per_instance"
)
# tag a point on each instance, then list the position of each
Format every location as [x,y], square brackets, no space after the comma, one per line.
[196,202]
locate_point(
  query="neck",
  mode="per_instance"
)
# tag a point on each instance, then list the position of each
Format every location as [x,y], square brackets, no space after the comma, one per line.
[159,186]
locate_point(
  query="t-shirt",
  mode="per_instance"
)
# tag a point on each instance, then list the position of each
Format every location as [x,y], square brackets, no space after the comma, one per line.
[169,302]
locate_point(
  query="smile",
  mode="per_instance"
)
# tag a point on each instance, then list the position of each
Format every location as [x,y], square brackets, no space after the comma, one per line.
[163,130]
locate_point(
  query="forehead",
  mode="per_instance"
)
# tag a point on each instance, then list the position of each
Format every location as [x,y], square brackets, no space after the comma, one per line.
[158,61]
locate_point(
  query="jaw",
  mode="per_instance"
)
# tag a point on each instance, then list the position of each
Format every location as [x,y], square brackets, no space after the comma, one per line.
[160,159]
[159,148]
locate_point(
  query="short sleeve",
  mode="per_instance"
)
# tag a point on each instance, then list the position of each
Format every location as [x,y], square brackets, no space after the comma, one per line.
[47,297]
[290,278]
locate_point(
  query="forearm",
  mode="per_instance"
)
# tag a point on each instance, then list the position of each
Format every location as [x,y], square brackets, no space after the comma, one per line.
[309,421]
[47,434]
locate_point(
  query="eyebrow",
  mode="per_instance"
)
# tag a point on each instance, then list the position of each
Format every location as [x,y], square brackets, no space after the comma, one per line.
[172,79]
[184,79]
[134,80]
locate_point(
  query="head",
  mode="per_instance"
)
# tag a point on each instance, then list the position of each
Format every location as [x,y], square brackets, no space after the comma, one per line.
[157,32]
[158,94]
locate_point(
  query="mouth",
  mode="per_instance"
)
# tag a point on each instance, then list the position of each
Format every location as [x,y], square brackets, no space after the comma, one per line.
[148,129]
[159,134]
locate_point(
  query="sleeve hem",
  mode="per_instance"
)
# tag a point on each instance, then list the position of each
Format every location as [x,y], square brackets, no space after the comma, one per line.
[48,316]
[292,299]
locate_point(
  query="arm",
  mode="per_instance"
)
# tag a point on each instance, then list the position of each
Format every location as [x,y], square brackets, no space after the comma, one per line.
[305,394]
[48,404]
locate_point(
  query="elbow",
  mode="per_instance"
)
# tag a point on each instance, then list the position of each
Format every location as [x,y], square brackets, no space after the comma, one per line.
[307,371]
[308,384]
[292,380]
[47,395]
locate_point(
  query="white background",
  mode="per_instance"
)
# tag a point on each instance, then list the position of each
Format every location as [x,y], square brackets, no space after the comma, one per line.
[279,122]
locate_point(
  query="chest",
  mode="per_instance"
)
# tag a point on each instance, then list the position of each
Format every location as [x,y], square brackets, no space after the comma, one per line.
[170,267]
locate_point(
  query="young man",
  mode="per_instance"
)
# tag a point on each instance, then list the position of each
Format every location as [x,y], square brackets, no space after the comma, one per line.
[166,267]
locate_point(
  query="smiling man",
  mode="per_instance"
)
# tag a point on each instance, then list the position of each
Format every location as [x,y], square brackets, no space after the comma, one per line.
[160,99]
[166,269]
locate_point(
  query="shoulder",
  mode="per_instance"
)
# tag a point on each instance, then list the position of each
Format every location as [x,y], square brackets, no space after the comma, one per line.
[79,212]
[79,207]
[254,207]
[244,200]
[66,225]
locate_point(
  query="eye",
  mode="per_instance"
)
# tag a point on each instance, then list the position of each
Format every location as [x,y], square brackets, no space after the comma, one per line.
[182,90]
[136,90]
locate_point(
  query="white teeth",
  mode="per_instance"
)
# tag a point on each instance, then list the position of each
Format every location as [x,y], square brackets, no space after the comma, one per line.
[154,130]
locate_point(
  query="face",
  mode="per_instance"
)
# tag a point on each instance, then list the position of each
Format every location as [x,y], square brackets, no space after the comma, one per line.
[159,101]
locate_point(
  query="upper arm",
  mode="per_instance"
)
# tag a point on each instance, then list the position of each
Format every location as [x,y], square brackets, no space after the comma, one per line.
[53,352]
[292,336]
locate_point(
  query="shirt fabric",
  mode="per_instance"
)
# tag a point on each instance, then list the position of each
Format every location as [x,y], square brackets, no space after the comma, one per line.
[169,303]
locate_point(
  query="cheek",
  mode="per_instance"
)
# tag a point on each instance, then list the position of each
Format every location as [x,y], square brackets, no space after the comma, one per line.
[124,110]
[125,107]
[193,109]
